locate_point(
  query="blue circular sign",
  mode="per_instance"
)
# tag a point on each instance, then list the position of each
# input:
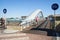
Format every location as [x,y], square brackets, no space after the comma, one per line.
[55,6]
[4,11]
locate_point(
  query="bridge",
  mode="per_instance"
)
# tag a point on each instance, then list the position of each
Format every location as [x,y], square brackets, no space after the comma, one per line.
[29,27]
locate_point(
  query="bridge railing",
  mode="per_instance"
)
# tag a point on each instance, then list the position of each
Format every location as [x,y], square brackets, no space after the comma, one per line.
[32,24]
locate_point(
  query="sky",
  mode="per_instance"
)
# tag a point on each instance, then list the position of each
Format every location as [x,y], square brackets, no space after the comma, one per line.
[18,8]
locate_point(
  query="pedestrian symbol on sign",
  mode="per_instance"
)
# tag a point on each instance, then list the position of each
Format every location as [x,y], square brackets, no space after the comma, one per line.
[4,11]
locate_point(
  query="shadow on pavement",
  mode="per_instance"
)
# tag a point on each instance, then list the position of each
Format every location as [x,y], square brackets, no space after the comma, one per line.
[43,31]
[50,32]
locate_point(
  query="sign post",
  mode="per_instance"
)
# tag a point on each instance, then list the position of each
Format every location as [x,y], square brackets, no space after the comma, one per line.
[5,11]
[54,7]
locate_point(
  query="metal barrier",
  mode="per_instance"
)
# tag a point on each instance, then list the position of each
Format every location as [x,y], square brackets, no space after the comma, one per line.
[2,23]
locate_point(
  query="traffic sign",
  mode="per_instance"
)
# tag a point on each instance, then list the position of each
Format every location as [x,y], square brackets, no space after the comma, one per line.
[4,11]
[55,6]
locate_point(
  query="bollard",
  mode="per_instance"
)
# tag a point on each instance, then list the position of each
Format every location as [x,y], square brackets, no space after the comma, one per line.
[57,36]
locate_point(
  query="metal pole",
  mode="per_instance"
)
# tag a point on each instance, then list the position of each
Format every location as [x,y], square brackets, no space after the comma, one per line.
[54,12]
[55,18]
[5,20]
[54,25]
[57,34]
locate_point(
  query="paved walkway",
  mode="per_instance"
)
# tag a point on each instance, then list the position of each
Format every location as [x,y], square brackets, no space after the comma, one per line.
[24,36]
